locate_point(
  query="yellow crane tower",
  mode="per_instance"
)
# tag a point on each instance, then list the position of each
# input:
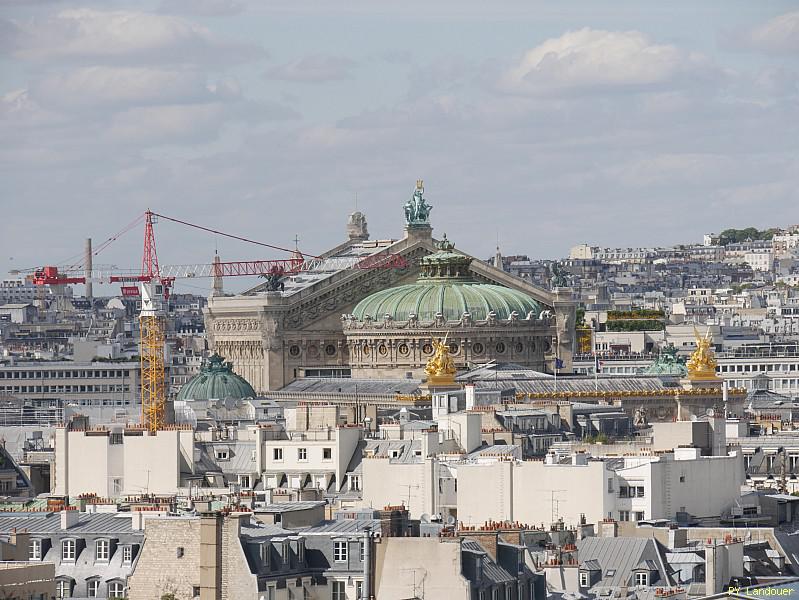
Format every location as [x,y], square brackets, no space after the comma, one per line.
[152,332]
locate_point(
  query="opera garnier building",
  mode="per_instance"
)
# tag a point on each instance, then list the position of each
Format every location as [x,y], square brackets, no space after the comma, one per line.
[390,332]
[373,308]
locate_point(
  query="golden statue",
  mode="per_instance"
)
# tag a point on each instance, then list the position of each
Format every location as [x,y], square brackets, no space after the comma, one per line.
[702,364]
[440,368]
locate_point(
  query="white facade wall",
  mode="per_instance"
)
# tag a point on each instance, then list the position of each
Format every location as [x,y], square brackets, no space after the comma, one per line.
[87,463]
[286,456]
[533,492]
[413,484]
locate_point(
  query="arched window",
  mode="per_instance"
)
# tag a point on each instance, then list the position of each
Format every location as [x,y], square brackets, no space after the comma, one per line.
[93,588]
[116,589]
[63,588]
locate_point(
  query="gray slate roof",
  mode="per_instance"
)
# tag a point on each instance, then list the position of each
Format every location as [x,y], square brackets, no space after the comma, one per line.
[624,555]
[348,386]
[38,523]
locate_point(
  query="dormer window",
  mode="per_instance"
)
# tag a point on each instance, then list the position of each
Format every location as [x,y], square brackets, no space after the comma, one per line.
[265,554]
[102,550]
[285,549]
[35,550]
[584,579]
[301,551]
[68,550]
[642,578]
[222,454]
[127,554]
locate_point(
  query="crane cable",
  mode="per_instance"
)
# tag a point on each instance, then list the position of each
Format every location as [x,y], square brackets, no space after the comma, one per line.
[230,235]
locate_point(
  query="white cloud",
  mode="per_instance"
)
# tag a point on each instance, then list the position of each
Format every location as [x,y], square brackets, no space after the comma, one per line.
[90,87]
[313,69]
[125,36]
[202,8]
[780,35]
[590,58]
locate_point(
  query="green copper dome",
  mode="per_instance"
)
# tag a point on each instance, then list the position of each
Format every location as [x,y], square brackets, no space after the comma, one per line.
[216,381]
[445,286]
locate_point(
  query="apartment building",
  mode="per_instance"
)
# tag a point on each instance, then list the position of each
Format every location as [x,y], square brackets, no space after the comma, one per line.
[93,553]
[629,488]
[85,384]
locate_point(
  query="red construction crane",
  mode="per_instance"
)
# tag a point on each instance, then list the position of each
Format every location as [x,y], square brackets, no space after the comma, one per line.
[151,270]
[156,280]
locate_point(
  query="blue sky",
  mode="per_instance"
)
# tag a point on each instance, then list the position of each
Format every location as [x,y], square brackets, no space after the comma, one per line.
[543,124]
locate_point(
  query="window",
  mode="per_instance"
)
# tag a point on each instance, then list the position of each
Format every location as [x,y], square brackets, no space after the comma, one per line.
[610,485]
[302,453]
[362,550]
[583,579]
[68,550]
[115,439]
[195,591]
[639,515]
[359,590]
[93,588]
[116,486]
[277,453]
[35,550]
[221,455]
[244,481]
[127,554]
[265,554]
[63,589]
[624,515]
[101,550]
[327,453]
[339,592]
[623,491]
[116,589]
[642,578]
[270,592]
[639,491]
[340,551]
[301,551]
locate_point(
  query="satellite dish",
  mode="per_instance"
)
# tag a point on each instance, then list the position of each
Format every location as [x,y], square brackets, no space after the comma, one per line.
[425,518]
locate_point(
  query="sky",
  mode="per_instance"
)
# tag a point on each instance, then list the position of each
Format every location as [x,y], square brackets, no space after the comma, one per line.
[537,125]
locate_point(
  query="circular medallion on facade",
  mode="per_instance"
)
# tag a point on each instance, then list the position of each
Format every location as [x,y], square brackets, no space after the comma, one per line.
[365,350]
[330,349]
[294,350]
[403,349]
[427,348]
[453,348]
[478,348]
[313,351]
[519,347]
[382,349]
[500,348]
[547,346]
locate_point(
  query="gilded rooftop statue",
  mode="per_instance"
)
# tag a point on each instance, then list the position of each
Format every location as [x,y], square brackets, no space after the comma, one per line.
[702,364]
[440,367]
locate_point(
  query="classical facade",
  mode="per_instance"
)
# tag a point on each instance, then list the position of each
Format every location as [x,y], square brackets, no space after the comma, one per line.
[309,323]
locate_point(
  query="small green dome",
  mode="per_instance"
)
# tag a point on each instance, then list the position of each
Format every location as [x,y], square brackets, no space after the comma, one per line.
[445,286]
[216,381]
